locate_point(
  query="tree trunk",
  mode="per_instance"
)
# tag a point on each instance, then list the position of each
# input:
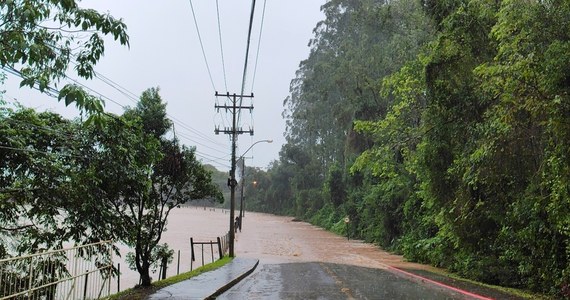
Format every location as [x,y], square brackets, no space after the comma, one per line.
[145,274]
[143,267]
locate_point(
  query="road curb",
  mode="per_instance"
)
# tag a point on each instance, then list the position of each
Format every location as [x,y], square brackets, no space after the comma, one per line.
[437,283]
[233,282]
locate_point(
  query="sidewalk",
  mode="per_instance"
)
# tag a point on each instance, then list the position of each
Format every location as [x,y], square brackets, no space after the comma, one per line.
[209,284]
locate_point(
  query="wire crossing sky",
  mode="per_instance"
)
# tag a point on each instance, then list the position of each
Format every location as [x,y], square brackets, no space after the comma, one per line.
[165,52]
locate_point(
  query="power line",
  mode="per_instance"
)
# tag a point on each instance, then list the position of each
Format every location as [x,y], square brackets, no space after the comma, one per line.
[96,92]
[213,163]
[213,158]
[202,45]
[42,152]
[45,128]
[209,158]
[247,49]
[246,55]
[54,92]
[258,44]
[191,140]
[221,45]
[50,91]
[117,86]
[134,98]
[189,128]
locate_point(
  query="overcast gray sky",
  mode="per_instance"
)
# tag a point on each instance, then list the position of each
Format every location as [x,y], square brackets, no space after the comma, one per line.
[165,52]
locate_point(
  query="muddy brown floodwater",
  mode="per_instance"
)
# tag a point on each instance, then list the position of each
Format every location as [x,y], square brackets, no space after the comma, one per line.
[272,239]
[301,261]
[275,239]
[202,224]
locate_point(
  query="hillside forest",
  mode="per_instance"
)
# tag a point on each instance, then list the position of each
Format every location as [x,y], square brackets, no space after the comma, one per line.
[441,129]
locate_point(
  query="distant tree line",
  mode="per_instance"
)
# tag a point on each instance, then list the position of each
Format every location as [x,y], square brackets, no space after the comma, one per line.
[441,128]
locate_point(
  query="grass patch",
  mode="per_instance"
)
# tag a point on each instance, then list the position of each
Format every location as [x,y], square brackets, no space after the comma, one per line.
[139,292]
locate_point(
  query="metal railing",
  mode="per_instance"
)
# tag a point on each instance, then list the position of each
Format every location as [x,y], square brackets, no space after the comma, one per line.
[82,272]
[222,247]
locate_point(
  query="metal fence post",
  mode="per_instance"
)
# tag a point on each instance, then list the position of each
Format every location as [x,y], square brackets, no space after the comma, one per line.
[178,264]
[85,286]
[192,258]
[220,248]
[118,277]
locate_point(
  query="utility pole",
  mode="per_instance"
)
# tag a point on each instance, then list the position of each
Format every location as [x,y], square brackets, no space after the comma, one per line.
[242,158]
[233,132]
[241,212]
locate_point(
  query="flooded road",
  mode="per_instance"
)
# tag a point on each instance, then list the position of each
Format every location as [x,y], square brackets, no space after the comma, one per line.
[296,260]
[301,261]
[274,239]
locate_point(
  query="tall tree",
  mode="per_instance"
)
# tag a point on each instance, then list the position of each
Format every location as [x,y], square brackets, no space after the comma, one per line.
[142,176]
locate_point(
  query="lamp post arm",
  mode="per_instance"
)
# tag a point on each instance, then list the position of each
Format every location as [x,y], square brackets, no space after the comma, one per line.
[261,141]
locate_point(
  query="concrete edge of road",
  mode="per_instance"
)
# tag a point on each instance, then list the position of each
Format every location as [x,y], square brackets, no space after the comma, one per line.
[234,281]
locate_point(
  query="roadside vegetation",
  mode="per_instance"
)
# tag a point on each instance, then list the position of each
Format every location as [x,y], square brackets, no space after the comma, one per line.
[440,128]
[103,177]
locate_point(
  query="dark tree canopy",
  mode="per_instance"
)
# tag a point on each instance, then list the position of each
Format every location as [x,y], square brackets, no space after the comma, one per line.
[40,40]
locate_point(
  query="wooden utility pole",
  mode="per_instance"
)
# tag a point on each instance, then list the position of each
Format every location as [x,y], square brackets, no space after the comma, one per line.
[233,132]
[241,211]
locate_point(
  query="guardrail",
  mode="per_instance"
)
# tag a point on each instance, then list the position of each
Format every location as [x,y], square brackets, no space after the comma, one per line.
[82,272]
[222,248]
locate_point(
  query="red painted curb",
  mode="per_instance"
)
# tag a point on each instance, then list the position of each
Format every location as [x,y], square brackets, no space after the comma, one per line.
[464,292]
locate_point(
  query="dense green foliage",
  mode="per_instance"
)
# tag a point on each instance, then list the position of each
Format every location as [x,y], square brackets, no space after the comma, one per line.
[441,129]
[66,181]
[41,39]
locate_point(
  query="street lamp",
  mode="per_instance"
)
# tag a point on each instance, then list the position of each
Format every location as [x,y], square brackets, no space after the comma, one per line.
[261,141]
[241,213]
[232,183]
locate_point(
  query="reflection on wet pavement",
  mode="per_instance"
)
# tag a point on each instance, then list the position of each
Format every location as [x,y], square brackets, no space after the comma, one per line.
[312,280]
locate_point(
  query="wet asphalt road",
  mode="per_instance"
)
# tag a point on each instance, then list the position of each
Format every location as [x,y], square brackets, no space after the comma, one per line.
[315,280]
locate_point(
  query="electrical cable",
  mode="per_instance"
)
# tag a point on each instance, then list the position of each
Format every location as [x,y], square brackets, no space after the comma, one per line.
[202,45]
[96,92]
[192,130]
[42,127]
[54,92]
[191,140]
[258,44]
[50,91]
[130,95]
[42,152]
[246,56]
[212,159]
[221,45]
